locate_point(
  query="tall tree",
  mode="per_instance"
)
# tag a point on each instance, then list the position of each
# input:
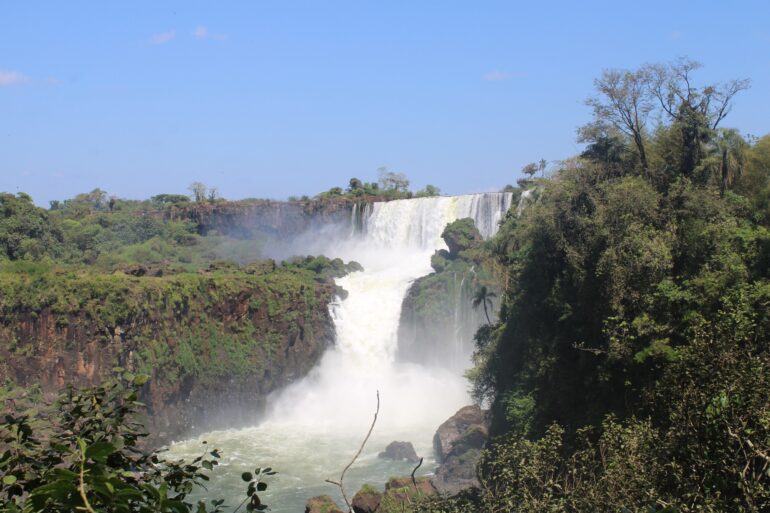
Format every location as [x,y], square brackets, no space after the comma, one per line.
[730,152]
[198,191]
[697,111]
[625,104]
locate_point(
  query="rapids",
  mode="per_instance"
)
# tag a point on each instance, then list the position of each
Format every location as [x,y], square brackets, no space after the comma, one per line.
[313,427]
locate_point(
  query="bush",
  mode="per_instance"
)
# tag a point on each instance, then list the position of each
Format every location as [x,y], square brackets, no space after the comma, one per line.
[87,457]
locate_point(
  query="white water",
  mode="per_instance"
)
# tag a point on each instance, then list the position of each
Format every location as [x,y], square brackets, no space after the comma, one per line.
[315,426]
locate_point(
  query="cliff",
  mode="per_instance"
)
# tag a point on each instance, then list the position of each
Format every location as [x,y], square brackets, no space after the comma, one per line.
[214,342]
[438,320]
[250,218]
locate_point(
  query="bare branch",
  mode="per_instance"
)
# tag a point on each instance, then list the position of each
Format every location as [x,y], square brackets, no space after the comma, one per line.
[414,482]
[340,483]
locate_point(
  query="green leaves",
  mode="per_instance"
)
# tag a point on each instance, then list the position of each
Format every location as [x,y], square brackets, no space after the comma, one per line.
[90,460]
[99,451]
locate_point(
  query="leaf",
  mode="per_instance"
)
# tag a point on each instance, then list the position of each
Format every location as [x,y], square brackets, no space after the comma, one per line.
[261,487]
[246,476]
[9,480]
[141,379]
[99,451]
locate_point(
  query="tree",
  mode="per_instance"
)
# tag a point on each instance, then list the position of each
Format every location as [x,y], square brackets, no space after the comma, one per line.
[625,103]
[530,170]
[25,229]
[355,184]
[482,297]
[198,191]
[428,191]
[696,111]
[391,181]
[730,151]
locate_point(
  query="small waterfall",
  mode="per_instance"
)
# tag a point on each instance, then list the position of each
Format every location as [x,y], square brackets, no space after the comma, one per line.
[459,322]
[315,424]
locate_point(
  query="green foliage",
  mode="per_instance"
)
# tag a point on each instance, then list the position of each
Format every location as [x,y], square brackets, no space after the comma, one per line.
[461,235]
[428,192]
[629,370]
[88,458]
[26,231]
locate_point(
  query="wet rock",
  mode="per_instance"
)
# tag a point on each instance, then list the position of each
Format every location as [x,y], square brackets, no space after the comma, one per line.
[400,451]
[366,500]
[322,504]
[458,443]
[454,429]
[341,292]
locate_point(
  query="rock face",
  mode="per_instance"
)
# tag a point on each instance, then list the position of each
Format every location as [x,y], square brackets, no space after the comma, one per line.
[438,322]
[400,451]
[322,504]
[214,343]
[457,444]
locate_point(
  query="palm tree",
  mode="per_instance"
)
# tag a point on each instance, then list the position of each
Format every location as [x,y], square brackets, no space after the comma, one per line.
[729,149]
[481,298]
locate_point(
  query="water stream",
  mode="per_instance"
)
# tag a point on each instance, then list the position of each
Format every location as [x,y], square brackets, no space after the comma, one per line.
[313,427]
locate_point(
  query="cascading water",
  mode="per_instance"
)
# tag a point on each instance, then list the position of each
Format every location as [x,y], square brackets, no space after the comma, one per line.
[314,426]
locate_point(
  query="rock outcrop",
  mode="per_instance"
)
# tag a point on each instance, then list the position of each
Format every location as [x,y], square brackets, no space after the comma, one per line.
[400,451]
[457,445]
[461,235]
[399,494]
[438,321]
[322,504]
[366,500]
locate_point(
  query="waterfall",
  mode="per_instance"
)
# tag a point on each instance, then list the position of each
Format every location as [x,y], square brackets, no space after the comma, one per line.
[314,425]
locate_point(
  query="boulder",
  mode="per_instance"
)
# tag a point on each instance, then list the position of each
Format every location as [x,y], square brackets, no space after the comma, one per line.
[456,429]
[401,493]
[322,504]
[366,500]
[405,485]
[400,451]
[458,443]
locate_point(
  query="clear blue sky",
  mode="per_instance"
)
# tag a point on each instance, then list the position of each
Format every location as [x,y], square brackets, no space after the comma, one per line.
[271,99]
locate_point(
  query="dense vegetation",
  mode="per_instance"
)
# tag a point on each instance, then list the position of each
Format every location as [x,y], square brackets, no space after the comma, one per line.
[107,233]
[630,366]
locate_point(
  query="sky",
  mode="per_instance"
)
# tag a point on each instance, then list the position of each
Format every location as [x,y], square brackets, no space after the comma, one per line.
[270,99]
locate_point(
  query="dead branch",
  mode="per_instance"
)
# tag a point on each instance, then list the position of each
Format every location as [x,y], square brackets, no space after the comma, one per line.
[414,482]
[340,483]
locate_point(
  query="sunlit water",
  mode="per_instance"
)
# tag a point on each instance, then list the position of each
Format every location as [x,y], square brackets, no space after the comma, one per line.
[314,427]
